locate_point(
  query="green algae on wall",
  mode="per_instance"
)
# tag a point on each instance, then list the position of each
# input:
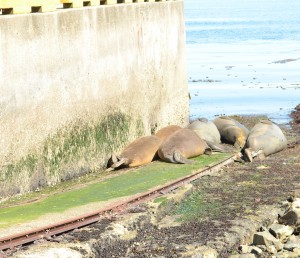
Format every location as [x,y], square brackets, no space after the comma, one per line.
[76,149]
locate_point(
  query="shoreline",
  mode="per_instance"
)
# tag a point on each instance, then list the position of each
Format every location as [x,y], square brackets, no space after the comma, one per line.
[295,118]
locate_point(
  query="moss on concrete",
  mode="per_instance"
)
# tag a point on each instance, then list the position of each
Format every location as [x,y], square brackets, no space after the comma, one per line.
[133,182]
[194,208]
[73,150]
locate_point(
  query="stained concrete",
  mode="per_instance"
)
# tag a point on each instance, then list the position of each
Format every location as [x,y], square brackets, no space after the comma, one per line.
[79,64]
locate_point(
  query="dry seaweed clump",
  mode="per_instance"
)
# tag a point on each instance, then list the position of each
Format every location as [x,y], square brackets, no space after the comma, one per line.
[295,115]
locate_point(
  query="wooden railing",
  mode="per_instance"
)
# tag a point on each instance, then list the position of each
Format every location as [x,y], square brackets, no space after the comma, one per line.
[34,6]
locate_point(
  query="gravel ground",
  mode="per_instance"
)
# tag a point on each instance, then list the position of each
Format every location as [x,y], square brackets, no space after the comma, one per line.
[238,192]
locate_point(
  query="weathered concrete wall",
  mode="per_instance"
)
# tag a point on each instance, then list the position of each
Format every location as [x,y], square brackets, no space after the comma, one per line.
[78,84]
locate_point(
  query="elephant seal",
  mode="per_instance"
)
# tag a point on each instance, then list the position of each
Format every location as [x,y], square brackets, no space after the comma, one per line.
[231,131]
[207,131]
[265,138]
[181,145]
[139,152]
[167,131]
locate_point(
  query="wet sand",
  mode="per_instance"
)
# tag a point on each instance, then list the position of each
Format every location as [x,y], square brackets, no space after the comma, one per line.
[255,78]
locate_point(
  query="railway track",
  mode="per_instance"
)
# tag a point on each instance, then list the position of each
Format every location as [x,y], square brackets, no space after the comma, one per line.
[27,237]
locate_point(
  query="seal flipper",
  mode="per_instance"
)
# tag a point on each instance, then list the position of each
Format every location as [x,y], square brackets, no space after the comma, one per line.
[122,161]
[215,147]
[260,154]
[208,151]
[114,158]
[248,154]
[178,158]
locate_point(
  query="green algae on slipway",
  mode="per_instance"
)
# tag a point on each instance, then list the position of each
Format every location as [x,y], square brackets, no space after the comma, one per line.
[133,182]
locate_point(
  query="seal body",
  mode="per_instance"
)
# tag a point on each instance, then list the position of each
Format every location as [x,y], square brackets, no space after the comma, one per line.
[181,145]
[167,131]
[139,152]
[207,131]
[264,139]
[232,131]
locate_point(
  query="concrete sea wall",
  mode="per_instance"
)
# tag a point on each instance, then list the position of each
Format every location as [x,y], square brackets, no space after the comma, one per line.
[78,84]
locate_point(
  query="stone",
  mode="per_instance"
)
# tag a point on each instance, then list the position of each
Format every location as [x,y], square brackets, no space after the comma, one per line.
[169,221]
[296,206]
[200,252]
[265,238]
[294,195]
[255,250]
[271,249]
[245,249]
[281,232]
[284,255]
[54,250]
[250,249]
[262,247]
[290,218]
[242,256]
[293,243]
[297,251]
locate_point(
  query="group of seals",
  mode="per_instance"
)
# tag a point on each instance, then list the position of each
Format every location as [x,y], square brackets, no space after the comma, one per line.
[176,144]
[264,139]
[172,144]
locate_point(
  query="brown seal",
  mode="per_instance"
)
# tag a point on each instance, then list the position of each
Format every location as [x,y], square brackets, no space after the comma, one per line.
[231,131]
[181,145]
[139,152]
[167,131]
[264,139]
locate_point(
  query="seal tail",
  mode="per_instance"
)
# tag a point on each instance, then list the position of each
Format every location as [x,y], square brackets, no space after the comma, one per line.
[178,158]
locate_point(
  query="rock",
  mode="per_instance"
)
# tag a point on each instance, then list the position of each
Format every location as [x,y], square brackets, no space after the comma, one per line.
[297,251]
[200,252]
[290,218]
[250,249]
[245,249]
[169,221]
[281,232]
[296,206]
[271,249]
[55,250]
[262,247]
[294,195]
[285,255]
[265,238]
[256,250]
[292,244]
[242,256]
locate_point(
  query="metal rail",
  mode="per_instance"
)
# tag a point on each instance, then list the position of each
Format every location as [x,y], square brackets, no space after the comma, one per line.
[12,241]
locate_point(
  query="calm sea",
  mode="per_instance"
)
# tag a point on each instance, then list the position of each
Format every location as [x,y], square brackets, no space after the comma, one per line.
[243,57]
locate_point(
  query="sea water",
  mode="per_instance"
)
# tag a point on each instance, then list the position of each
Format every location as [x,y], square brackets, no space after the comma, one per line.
[243,57]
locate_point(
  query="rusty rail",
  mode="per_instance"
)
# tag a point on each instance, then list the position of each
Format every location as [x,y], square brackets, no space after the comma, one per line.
[12,241]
